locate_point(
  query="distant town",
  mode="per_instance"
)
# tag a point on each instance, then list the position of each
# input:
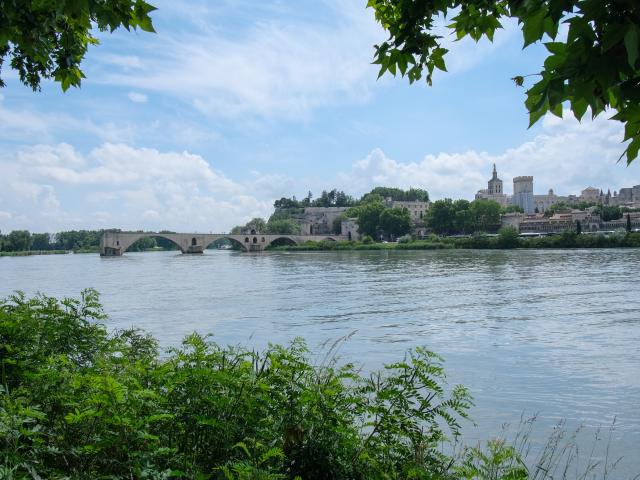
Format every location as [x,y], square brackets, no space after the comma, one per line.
[528,213]
[388,214]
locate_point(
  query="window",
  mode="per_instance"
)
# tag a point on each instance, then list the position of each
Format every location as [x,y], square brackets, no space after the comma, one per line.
[246,240]
[193,241]
[255,239]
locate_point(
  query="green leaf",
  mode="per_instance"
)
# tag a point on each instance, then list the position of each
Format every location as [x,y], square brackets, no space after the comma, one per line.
[556,48]
[632,150]
[536,115]
[145,24]
[557,110]
[533,27]
[579,108]
[631,44]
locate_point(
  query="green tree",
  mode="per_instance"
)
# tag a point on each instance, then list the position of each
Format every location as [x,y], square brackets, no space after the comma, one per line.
[441,216]
[464,221]
[486,214]
[560,207]
[257,224]
[578,227]
[49,39]
[411,195]
[628,223]
[286,203]
[608,212]
[395,221]
[508,237]
[40,241]
[75,239]
[145,243]
[511,209]
[284,226]
[369,218]
[18,241]
[595,66]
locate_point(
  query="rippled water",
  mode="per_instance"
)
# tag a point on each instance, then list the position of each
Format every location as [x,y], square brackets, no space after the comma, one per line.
[549,332]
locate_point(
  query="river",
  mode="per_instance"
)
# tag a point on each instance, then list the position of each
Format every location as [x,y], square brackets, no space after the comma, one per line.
[548,332]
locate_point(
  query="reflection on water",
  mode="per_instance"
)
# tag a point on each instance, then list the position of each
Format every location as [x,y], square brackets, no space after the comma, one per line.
[555,332]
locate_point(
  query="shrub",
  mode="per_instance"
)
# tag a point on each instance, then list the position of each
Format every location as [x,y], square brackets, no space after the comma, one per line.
[78,402]
[508,237]
[405,239]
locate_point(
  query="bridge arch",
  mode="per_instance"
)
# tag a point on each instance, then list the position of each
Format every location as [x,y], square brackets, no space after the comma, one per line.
[232,238]
[125,243]
[277,240]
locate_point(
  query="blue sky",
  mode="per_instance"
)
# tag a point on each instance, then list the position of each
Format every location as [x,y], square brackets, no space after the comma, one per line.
[235,103]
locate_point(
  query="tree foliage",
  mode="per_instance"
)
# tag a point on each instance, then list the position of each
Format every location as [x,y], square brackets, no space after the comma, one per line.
[77,402]
[368,215]
[49,39]
[395,221]
[461,216]
[595,66]
[400,195]
[284,226]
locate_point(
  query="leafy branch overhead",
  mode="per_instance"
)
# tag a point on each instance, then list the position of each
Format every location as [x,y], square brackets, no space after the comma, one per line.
[595,66]
[49,38]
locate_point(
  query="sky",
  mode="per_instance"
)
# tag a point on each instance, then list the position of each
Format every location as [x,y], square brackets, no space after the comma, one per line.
[233,104]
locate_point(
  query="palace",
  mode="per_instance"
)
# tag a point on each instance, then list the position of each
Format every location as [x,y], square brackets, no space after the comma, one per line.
[524,197]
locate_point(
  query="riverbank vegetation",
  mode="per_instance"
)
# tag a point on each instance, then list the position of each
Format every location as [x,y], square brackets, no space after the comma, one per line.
[23,242]
[79,402]
[508,238]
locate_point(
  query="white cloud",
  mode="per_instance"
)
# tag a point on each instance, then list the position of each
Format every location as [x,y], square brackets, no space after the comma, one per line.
[566,156]
[116,185]
[125,61]
[276,68]
[57,187]
[26,124]
[137,97]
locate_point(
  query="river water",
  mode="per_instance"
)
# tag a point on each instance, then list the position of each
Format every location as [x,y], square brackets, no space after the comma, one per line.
[548,332]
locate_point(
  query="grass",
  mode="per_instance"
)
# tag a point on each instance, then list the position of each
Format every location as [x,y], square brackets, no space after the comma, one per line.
[33,252]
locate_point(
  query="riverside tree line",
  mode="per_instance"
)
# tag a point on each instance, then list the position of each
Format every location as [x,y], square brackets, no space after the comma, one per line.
[375,220]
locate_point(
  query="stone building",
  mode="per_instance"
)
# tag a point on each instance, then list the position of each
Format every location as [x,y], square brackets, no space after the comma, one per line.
[418,210]
[621,223]
[589,222]
[542,203]
[523,193]
[494,190]
[590,194]
[626,197]
[318,220]
[349,229]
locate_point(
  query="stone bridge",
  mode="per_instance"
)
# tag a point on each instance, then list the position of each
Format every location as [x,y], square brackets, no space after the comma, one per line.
[116,243]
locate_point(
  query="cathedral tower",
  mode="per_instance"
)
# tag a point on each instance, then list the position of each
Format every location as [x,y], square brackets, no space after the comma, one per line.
[495,184]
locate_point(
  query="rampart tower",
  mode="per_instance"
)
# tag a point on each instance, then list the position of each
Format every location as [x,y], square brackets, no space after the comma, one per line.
[523,193]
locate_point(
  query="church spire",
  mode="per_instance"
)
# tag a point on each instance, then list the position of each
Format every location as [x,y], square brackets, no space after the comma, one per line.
[495,172]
